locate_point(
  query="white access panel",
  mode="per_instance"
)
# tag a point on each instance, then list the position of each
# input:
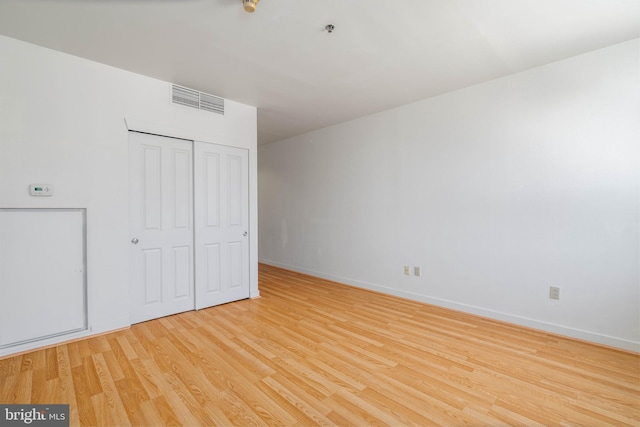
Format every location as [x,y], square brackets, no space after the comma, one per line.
[42,274]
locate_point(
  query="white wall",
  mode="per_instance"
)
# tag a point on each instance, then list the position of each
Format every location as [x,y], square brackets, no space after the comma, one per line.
[62,122]
[496,191]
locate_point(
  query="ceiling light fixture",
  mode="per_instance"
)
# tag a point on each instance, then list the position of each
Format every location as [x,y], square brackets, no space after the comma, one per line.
[250,5]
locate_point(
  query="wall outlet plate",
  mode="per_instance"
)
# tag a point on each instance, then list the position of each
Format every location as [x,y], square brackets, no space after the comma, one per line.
[554,292]
[406,270]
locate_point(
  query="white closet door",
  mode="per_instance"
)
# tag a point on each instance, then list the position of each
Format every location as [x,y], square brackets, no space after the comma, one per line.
[42,278]
[221,181]
[161,203]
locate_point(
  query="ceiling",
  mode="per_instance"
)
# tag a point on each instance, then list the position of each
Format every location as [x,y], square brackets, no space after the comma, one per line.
[382,53]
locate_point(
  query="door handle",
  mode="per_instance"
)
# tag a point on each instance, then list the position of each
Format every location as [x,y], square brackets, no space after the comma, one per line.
[134,241]
[244,234]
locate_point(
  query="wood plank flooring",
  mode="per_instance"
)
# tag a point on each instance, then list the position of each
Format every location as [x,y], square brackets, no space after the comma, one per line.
[313,352]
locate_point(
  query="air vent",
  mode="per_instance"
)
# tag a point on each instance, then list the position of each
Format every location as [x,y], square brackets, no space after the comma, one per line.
[194,99]
[211,103]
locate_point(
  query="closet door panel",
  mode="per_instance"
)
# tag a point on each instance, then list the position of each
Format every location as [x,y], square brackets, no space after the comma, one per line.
[221,188]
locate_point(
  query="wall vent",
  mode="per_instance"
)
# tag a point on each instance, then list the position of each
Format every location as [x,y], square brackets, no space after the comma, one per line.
[194,99]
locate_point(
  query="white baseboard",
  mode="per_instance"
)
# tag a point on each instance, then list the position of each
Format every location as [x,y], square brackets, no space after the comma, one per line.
[96,329]
[491,314]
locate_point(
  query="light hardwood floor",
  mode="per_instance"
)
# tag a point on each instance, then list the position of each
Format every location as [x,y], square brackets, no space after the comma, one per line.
[313,352]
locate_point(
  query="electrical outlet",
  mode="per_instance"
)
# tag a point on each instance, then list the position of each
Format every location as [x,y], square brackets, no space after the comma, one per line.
[406,270]
[416,271]
[554,292]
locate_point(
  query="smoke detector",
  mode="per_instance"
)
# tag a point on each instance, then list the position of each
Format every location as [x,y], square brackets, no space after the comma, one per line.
[250,5]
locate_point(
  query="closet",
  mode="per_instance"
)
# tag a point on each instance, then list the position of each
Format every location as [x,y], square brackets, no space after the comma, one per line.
[189,219]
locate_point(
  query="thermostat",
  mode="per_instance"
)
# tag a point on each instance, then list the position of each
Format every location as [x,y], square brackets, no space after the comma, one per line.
[41,189]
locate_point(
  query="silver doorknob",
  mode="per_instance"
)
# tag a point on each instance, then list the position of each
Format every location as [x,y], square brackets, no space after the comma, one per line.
[134,241]
[244,234]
